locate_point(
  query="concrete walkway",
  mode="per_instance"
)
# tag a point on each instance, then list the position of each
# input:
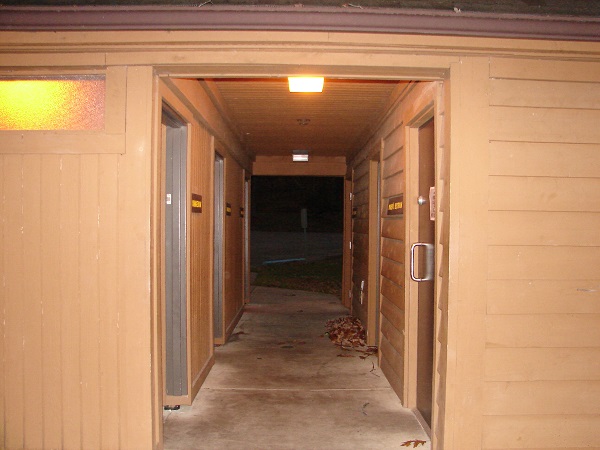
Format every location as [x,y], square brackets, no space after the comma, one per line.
[278,384]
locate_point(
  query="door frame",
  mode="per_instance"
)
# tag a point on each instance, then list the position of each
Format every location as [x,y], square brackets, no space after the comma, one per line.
[423,114]
[166,99]
[200,72]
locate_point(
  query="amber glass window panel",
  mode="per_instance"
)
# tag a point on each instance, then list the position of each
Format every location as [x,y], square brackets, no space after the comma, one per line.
[53,103]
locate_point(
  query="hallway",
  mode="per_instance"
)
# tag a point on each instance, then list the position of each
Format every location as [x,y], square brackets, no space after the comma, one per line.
[280,384]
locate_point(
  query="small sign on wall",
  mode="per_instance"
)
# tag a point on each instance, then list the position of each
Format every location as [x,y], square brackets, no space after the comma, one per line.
[228,209]
[396,205]
[196,203]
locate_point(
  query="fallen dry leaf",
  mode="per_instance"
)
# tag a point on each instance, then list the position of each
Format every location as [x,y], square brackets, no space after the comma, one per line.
[414,443]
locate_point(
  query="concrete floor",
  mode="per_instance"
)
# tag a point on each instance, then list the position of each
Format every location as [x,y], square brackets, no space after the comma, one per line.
[278,384]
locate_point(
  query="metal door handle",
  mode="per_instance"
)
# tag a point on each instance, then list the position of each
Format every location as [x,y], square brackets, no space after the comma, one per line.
[429,262]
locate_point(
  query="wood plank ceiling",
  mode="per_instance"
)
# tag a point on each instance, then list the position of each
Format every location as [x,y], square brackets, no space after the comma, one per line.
[336,122]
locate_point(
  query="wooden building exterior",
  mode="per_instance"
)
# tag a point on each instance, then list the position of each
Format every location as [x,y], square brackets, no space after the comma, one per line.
[517,230]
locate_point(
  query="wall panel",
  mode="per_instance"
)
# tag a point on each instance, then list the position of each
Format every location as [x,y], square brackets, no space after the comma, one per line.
[76,358]
[543,302]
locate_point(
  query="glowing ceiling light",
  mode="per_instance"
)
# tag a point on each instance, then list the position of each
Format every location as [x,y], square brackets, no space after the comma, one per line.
[300,156]
[306,84]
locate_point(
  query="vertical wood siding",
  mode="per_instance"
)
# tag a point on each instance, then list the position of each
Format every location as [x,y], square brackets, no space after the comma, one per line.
[542,375]
[75,310]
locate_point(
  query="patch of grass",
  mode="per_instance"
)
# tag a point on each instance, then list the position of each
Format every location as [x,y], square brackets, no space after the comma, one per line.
[316,276]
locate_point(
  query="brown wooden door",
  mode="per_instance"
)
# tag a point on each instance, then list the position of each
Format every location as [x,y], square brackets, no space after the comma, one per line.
[426,234]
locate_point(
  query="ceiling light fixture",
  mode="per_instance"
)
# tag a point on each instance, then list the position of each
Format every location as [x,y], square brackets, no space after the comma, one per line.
[306,84]
[300,156]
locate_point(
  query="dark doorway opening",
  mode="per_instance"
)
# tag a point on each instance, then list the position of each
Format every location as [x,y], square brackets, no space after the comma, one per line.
[296,232]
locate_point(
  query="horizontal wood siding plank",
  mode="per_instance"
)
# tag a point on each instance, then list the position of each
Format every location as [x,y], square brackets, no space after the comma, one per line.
[360,197]
[391,331]
[543,296]
[540,431]
[360,226]
[392,313]
[392,270]
[393,228]
[543,69]
[543,263]
[361,189]
[395,380]
[532,397]
[544,228]
[361,171]
[544,125]
[543,331]
[393,186]
[393,142]
[544,194]
[393,293]
[537,364]
[393,164]
[392,249]
[565,160]
[550,94]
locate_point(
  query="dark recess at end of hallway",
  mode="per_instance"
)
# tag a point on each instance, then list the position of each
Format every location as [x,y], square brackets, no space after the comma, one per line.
[278,200]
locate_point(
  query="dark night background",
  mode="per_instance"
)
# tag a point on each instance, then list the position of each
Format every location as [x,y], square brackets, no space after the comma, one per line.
[277,201]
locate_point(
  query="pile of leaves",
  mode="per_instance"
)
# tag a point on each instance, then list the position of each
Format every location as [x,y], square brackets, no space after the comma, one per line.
[348,333]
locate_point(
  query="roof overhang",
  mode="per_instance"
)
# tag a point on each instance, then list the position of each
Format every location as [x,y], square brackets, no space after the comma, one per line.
[331,19]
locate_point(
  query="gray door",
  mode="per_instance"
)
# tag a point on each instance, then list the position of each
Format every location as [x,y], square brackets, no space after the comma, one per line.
[175,140]
[218,257]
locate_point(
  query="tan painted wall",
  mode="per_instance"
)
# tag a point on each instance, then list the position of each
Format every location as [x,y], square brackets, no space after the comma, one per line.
[76,335]
[542,353]
[519,334]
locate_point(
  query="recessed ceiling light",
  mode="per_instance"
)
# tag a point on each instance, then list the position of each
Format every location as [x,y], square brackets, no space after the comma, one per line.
[306,84]
[300,156]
